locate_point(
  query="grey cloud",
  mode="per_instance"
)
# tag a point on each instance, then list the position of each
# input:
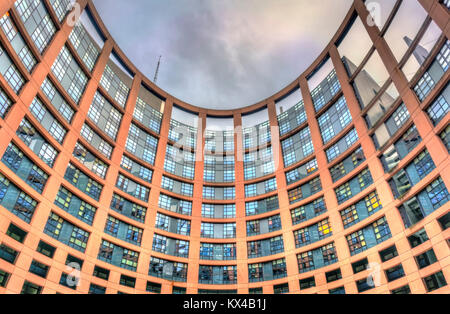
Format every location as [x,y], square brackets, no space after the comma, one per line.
[222,53]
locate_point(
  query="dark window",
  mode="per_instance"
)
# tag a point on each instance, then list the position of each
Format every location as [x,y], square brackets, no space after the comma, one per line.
[418,238]
[340,290]
[94,289]
[395,273]
[388,253]
[46,249]
[402,290]
[8,254]
[16,233]
[360,266]
[255,290]
[4,276]
[74,260]
[364,285]
[153,287]
[444,221]
[30,288]
[435,281]
[127,281]
[178,290]
[101,273]
[280,289]
[209,291]
[39,269]
[68,281]
[307,283]
[334,275]
[426,259]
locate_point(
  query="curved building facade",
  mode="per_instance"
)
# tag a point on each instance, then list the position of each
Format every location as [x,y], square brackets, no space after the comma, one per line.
[337,184]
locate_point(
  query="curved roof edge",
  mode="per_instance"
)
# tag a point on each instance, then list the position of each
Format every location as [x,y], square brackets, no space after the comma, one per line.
[216,112]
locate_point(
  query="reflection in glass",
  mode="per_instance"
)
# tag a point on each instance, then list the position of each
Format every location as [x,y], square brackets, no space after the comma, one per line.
[370,80]
[406,24]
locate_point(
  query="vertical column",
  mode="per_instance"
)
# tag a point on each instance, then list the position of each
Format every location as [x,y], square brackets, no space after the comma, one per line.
[194,245]
[108,188]
[147,237]
[241,226]
[326,180]
[285,215]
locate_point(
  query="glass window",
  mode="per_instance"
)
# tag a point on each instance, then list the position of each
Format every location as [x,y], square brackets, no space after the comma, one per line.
[17,42]
[69,74]
[116,82]
[334,120]
[404,28]
[37,21]
[355,45]
[323,84]
[10,72]
[440,107]
[105,116]
[86,47]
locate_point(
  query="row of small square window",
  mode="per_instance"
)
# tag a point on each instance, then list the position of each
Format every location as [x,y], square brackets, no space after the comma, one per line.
[336,169]
[432,282]
[40,269]
[378,231]
[352,210]
[423,260]
[104,166]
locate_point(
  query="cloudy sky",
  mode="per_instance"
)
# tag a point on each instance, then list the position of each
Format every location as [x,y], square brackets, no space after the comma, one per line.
[223,53]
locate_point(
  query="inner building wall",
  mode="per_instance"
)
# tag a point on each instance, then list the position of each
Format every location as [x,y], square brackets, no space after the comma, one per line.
[342,179]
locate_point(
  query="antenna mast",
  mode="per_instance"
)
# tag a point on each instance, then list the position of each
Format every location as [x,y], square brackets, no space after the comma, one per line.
[157,70]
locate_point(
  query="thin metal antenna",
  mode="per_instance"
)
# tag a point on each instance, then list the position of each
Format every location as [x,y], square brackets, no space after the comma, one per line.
[157,70]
